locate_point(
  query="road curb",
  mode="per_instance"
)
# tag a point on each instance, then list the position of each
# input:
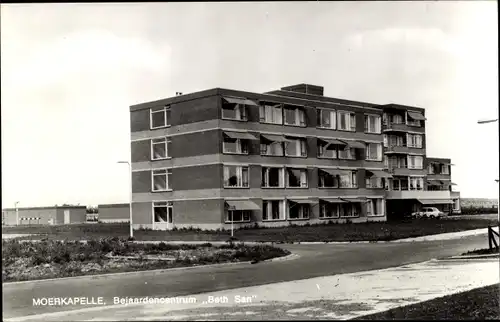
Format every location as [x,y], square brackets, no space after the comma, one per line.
[162,270]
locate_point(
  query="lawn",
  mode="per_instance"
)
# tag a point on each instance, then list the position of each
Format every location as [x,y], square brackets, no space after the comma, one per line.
[374,231]
[28,260]
[478,304]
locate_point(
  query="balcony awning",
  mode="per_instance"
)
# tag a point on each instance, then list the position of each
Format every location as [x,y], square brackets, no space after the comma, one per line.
[242,205]
[235,100]
[304,201]
[435,182]
[336,172]
[358,199]
[435,201]
[332,143]
[275,138]
[416,116]
[240,135]
[356,144]
[379,173]
[333,200]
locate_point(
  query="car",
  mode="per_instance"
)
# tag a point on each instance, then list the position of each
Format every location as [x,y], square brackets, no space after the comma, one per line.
[428,212]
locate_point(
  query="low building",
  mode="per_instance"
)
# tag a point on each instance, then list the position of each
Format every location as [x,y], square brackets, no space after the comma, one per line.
[113,213]
[55,215]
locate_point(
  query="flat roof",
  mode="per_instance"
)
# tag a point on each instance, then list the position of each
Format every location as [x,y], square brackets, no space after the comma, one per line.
[40,208]
[109,205]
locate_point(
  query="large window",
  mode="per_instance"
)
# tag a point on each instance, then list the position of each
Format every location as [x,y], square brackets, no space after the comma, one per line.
[374,151]
[159,117]
[161,179]
[294,116]
[163,212]
[327,119]
[235,176]
[394,140]
[296,178]
[236,146]
[237,216]
[232,111]
[415,162]
[414,140]
[271,113]
[273,210]
[160,148]
[373,123]
[374,182]
[445,169]
[347,153]
[296,147]
[375,207]
[298,211]
[271,148]
[416,183]
[350,209]
[328,210]
[273,177]
[326,150]
[345,179]
[346,121]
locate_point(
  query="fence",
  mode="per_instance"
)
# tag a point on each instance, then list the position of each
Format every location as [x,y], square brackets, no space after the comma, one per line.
[492,239]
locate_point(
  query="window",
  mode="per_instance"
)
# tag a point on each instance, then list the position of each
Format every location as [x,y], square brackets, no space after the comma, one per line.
[347,179]
[295,116]
[232,111]
[298,211]
[163,212]
[161,179]
[374,183]
[328,210]
[397,119]
[445,169]
[273,210]
[350,210]
[237,216]
[386,140]
[373,124]
[271,148]
[414,140]
[160,148]
[326,118]
[296,147]
[235,176]
[272,177]
[347,153]
[271,113]
[396,184]
[415,162]
[236,146]
[416,183]
[375,207]
[326,150]
[296,178]
[374,151]
[346,121]
[159,117]
[394,140]
[430,169]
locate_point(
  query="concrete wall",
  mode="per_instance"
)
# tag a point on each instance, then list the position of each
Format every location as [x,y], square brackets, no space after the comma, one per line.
[47,215]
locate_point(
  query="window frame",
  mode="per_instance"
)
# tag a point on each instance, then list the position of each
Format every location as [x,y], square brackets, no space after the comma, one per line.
[352,208]
[281,177]
[296,140]
[168,174]
[262,109]
[239,176]
[333,124]
[282,209]
[166,114]
[282,144]
[414,158]
[303,207]
[240,144]
[169,205]
[324,204]
[368,123]
[412,137]
[243,213]
[167,141]
[351,125]
[243,112]
[302,170]
[369,207]
[299,112]
[379,151]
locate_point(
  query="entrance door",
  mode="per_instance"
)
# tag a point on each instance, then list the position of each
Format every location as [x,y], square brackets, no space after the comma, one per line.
[66,216]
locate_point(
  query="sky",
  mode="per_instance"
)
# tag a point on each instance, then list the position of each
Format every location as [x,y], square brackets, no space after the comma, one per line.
[69,73]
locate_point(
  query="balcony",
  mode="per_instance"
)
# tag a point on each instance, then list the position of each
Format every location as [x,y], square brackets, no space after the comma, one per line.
[438,176]
[400,127]
[402,149]
[404,171]
[418,194]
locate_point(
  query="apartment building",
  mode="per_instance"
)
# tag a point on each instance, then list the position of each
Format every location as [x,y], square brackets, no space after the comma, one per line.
[219,157]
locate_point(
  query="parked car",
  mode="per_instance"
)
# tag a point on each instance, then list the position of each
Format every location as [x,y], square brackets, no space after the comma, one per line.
[428,212]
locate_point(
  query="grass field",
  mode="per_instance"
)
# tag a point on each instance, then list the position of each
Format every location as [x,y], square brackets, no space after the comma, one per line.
[375,231]
[485,251]
[54,259]
[478,304]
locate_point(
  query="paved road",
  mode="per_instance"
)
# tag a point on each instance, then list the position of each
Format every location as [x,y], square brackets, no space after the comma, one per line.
[314,261]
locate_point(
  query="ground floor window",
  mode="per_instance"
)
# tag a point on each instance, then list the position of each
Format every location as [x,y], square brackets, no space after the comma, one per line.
[329,210]
[375,207]
[456,204]
[163,212]
[238,215]
[298,211]
[350,209]
[273,210]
